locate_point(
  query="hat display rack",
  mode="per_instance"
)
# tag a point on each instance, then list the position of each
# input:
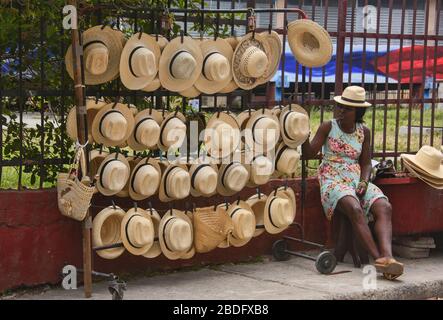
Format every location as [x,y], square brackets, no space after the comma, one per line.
[160,20]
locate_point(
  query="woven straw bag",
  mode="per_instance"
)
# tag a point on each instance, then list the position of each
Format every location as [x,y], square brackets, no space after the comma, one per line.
[210,228]
[73,195]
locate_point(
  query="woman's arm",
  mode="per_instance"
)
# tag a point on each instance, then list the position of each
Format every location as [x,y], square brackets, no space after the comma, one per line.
[311,148]
[365,162]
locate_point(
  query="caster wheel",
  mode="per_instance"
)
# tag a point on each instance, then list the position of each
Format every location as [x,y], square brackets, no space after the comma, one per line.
[116,295]
[326,262]
[278,250]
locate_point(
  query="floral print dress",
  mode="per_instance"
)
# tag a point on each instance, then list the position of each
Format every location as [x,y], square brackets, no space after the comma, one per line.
[339,172]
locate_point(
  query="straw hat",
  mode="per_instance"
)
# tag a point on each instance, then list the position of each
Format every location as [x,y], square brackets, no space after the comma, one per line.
[101,55]
[137,231]
[286,159]
[180,64]
[310,43]
[145,179]
[353,96]
[232,178]
[250,62]
[422,175]
[257,202]
[133,161]
[260,169]
[279,210]
[139,61]
[233,41]
[146,131]
[155,249]
[276,47]
[262,130]
[155,83]
[92,108]
[113,124]
[96,157]
[176,234]
[113,174]
[243,220]
[106,231]
[175,182]
[222,135]
[191,92]
[294,124]
[203,179]
[172,131]
[428,161]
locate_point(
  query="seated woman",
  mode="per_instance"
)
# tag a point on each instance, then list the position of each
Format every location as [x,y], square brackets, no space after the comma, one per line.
[344,178]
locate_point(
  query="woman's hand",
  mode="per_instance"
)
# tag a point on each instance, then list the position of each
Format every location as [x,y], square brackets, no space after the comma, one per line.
[361,188]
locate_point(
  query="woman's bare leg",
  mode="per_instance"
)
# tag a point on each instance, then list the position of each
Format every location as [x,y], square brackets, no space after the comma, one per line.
[382,211]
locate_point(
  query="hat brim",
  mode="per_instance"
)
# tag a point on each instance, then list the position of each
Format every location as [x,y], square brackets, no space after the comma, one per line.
[155,250]
[171,115]
[276,49]
[147,113]
[340,100]
[434,183]
[99,184]
[132,193]
[435,175]
[232,86]
[229,119]
[191,92]
[279,193]
[192,172]
[92,109]
[292,143]
[166,168]
[124,232]
[97,224]
[257,202]
[132,164]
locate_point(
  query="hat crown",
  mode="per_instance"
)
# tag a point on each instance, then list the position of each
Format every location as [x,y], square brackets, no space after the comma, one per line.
[266,130]
[178,235]
[356,93]
[281,212]
[96,58]
[429,157]
[205,180]
[178,185]
[261,169]
[143,63]
[244,223]
[253,62]
[148,132]
[216,67]
[146,180]
[140,231]
[115,175]
[113,126]
[288,161]
[296,124]
[236,177]
[174,132]
[182,65]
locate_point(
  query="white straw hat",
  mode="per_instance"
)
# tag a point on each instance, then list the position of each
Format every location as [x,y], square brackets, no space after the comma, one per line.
[262,131]
[232,178]
[243,220]
[155,250]
[427,160]
[276,48]
[286,159]
[172,131]
[204,176]
[175,183]
[155,83]
[260,169]
[233,42]
[145,179]
[222,135]
[257,202]
[294,124]
[422,175]
[106,231]
[137,231]
[176,234]
[280,210]
[146,131]
[133,161]
[353,96]
[113,174]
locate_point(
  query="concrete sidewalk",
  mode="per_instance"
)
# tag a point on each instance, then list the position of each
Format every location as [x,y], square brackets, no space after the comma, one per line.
[293,279]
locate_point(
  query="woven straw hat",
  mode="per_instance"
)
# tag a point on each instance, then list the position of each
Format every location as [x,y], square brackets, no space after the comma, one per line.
[422,175]
[294,123]
[262,130]
[155,83]
[137,231]
[216,70]
[232,178]
[101,55]
[146,131]
[233,41]
[222,135]
[133,161]
[353,96]
[113,174]
[257,202]
[106,231]
[280,210]
[113,124]
[92,108]
[191,92]
[172,131]
[310,43]
[155,250]
[286,159]
[176,234]
[145,179]
[243,220]
[180,64]
[203,178]
[250,62]
[276,47]
[427,161]
[260,168]
[175,183]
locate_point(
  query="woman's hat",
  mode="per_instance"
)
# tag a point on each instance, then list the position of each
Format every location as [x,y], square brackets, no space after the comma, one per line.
[250,62]
[353,96]
[102,48]
[427,161]
[175,183]
[106,231]
[216,70]
[262,130]
[180,64]
[133,161]
[113,174]
[155,83]
[155,249]
[191,92]
[146,131]
[280,210]
[172,131]
[92,108]
[203,178]
[232,178]
[257,202]
[243,220]
[286,159]
[310,43]
[145,179]
[222,135]
[260,169]
[113,124]
[137,231]
[294,124]
[176,234]
[276,48]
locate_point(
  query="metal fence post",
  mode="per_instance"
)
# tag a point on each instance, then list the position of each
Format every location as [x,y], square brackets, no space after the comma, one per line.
[341,40]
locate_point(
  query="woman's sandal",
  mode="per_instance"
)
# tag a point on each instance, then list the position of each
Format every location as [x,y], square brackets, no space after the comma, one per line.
[391,268]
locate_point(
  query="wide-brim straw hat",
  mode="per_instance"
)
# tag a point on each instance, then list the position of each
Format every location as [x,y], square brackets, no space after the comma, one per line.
[173,121]
[294,125]
[232,178]
[243,222]
[113,167]
[250,61]
[276,47]
[92,108]
[286,160]
[145,179]
[310,43]
[137,231]
[102,47]
[262,130]
[180,64]
[232,86]
[118,119]
[176,232]
[175,183]
[96,157]
[146,131]
[106,231]
[155,83]
[139,61]
[257,202]
[427,161]
[191,92]
[422,175]
[216,69]
[280,210]
[155,250]
[204,177]
[133,161]
[260,168]
[353,96]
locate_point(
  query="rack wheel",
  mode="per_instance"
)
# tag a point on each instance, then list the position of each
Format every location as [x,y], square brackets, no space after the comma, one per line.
[116,289]
[279,250]
[325,262]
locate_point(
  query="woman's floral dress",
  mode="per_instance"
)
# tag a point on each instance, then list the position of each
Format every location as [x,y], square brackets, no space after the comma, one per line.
[339,172]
